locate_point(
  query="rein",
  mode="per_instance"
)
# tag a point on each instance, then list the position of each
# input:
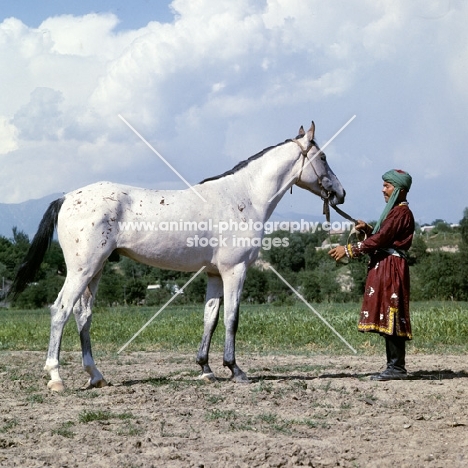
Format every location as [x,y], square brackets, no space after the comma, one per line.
[326,212]
[344,214]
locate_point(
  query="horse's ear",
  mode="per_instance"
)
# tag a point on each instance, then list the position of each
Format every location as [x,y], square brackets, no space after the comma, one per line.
[301,131]
[311,131]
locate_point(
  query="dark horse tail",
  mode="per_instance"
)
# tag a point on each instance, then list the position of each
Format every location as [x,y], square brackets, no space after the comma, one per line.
[39,245]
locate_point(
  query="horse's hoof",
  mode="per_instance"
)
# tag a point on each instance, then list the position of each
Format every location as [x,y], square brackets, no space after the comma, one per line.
[240,378]
[98,384]
[209,377]
[56,386]
[101,383]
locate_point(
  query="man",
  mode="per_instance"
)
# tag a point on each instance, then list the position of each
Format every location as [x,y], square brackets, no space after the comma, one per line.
[385,307]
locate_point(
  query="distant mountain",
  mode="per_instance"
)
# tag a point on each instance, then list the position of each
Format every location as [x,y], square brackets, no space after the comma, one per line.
[25,216]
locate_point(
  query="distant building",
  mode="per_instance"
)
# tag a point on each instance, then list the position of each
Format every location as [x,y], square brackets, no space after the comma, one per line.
[427,228]
[430,228]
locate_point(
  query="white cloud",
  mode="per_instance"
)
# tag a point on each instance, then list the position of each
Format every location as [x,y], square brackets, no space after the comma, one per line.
[87,36]
[8,136]
[42,117]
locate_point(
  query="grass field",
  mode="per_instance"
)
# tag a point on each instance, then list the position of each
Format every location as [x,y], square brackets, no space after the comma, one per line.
[438,327]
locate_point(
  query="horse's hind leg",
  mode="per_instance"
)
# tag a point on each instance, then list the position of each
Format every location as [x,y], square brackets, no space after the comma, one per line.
[214,292]
[59,314]
[233,283]
[83,316]
[58,319]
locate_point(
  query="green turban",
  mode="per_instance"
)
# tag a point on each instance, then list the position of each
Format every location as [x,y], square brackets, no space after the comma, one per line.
[398,178]
[401,180]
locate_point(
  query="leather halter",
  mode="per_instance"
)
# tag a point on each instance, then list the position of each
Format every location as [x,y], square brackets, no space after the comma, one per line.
[326,204]
[326,200]
[304,152]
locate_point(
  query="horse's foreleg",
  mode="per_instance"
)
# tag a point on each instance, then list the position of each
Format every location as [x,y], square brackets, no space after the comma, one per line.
[214,293]
[83,318]
[232,293]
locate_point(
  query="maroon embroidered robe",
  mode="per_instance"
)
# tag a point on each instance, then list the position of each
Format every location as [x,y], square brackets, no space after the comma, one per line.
[385,308]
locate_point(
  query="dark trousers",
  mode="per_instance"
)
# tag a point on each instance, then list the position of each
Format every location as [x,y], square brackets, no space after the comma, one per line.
[396,352]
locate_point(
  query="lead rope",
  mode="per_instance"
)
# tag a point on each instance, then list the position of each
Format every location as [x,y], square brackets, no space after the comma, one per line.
[354,231]
[326,212]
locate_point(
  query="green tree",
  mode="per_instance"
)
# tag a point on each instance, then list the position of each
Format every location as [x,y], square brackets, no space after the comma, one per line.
[287,258]
[418,250]
[310,286]
[256,286]
[33,297]
[157,296]
[112,286]
[20,239]
[311,257]
[135,291]
[438,278]
[278,292]
[327,276]
[321,283]
[297,255]
[464,254]
[358,271]
[464,228]
[194,293]
[13,251]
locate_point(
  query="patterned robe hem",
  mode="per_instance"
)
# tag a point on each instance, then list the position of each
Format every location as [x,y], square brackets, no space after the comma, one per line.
[392,319]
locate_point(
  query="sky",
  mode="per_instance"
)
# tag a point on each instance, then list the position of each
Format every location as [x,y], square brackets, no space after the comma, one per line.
[209,83]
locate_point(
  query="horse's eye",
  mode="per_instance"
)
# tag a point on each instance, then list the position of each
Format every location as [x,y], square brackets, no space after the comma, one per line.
[323,157]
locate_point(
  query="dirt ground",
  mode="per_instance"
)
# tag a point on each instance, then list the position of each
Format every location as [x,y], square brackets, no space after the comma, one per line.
[320,411]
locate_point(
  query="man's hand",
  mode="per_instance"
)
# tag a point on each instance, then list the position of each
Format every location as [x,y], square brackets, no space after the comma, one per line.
[337,253]
[363,227]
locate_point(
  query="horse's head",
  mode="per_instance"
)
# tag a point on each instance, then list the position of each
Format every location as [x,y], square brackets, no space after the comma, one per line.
[316,175]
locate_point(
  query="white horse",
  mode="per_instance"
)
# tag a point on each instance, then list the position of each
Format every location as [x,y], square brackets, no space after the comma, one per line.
[96,220]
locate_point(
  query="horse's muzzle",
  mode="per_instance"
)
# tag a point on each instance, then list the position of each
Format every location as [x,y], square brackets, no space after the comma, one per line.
[334,198]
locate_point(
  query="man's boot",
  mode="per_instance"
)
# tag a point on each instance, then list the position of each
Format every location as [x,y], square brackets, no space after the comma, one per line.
[395,347]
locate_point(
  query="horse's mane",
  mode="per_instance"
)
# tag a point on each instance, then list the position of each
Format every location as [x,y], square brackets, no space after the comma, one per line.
[243,164]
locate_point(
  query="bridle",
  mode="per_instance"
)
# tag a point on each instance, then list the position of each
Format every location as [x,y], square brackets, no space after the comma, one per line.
[326,200]
[305,154]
